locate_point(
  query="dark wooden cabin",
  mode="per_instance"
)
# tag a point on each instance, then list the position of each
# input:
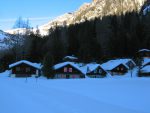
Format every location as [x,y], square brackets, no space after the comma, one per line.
[145,71]
[118,66]
[68,70]
[98,72]
[120,69]
[143,53]
[25,69]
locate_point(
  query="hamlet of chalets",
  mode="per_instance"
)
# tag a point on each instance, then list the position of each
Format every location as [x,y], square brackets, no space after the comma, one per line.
[71,67]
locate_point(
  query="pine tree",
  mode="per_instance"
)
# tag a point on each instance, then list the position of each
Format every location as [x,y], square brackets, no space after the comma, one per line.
[48,63]
[56,47]
[34,52]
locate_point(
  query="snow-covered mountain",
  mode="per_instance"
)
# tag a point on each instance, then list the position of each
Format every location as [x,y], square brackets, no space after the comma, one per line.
[97,8]
[3,37]
[16,31]
[7,40]
[62,20]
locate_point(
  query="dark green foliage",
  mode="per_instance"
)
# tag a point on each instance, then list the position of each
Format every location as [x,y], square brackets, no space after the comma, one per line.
[34,51]
[55,44]
[47,68]
[73,40]
[83,41]
[5,61]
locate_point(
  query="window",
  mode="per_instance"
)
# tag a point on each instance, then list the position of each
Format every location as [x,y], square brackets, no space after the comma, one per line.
[122,69]
[118,68]
[70,70]
[17,68]
[100,71]
[65,69]
[27,69]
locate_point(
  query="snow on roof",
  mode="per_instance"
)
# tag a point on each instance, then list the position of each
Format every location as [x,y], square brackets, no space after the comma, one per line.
[114,63]
[145,61]
[71,57]
[89,67]
[146,69]
[73,64]
[92,67]
[141,50]
[36,65]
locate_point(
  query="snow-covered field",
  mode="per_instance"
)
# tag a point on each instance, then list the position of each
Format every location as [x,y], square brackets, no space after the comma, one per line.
[107,95]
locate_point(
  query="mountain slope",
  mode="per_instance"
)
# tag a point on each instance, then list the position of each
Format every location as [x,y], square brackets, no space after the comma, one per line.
[3,37]
[97,8]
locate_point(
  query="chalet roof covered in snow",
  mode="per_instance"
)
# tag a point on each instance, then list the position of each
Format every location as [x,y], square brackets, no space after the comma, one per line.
[73,64]
[114,63]
[90,67]
[35,65]
[70,57]
[146,69]
[145,61]
[141,50]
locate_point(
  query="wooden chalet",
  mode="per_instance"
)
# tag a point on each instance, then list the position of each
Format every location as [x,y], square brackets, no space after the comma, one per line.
[120,69]
[25,68]
[143,53]
[69,70]
[145,71]
[145,62]
[118,66]
[93,70]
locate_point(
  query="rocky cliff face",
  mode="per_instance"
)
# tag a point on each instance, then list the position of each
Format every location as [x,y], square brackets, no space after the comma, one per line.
[97,8]
[100,8]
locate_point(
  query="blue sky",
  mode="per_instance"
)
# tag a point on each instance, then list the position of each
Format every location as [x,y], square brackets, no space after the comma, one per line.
[38,11]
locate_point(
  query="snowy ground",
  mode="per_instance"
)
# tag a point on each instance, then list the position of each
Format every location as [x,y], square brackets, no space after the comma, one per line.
[107,95]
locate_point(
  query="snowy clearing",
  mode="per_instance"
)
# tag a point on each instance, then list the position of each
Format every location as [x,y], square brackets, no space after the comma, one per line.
[107,95]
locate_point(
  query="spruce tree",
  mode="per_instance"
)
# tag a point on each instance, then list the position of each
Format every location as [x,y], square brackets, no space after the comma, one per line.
[48,63]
